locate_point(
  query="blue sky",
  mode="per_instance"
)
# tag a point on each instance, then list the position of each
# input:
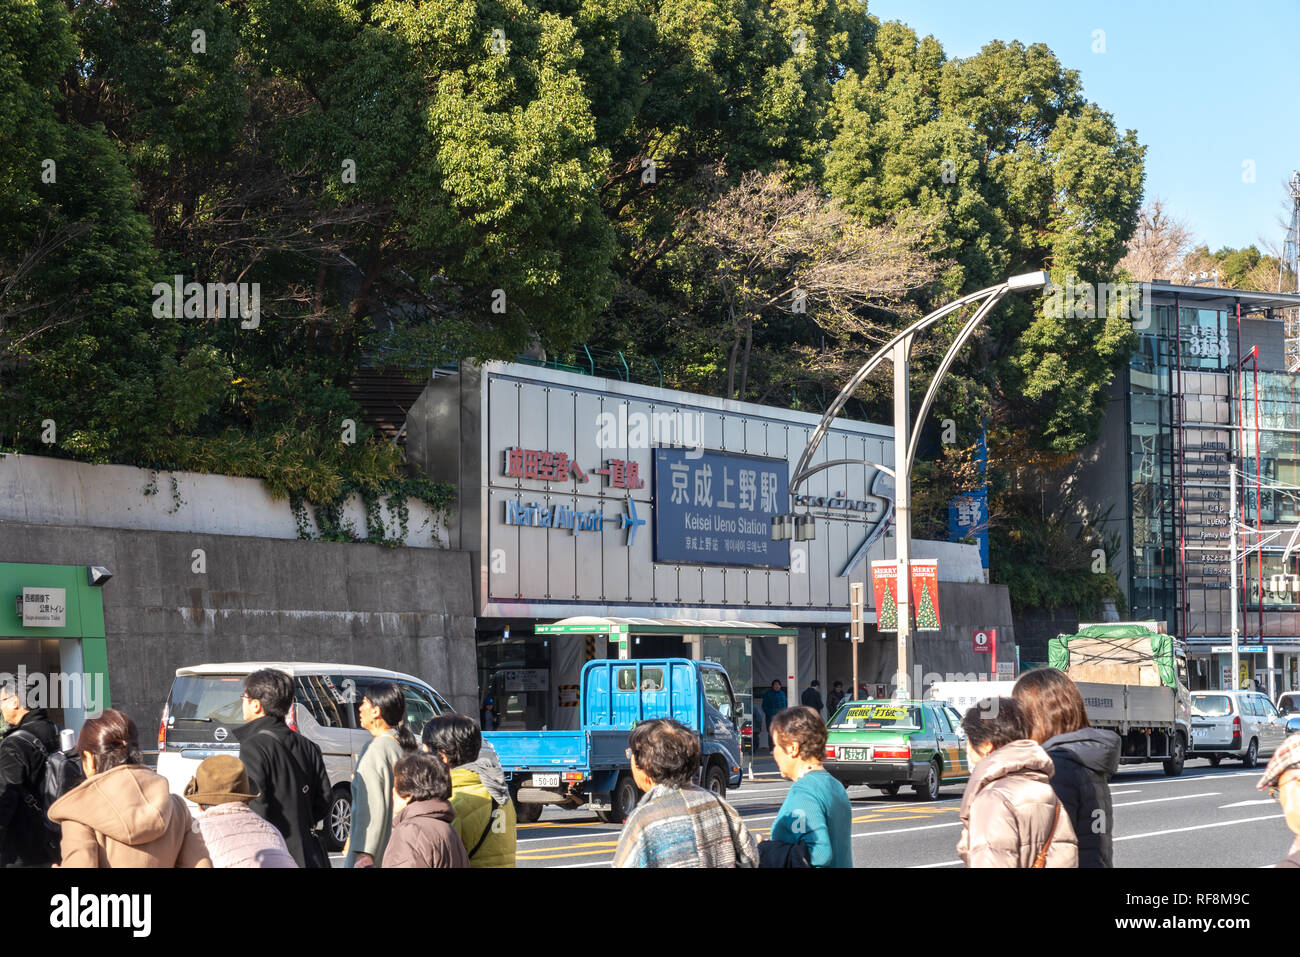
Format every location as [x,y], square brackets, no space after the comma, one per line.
[1207,86]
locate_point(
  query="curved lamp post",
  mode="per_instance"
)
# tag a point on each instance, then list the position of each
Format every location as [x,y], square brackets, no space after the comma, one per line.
[907,434]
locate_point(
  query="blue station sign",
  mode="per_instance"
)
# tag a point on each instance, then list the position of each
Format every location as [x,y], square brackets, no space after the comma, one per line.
[715,508]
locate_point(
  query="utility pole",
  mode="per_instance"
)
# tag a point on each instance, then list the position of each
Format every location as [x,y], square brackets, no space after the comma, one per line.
[1232,601]
[855,629]
[898,349]
[903,512]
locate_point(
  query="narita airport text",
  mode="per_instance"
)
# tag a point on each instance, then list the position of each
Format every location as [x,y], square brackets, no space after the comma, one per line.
[1156,901]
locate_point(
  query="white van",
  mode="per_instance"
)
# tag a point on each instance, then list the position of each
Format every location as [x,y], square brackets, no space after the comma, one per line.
[204,707]
[1235,724]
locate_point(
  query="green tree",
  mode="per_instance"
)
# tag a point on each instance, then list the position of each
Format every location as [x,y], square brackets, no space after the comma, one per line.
[1019,172]
[79,345]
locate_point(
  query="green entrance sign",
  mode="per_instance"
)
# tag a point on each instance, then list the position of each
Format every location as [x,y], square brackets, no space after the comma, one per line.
[81,616]
[575,629]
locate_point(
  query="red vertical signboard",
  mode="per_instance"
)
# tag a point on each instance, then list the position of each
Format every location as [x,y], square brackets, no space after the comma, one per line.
[884,589]
[925,594]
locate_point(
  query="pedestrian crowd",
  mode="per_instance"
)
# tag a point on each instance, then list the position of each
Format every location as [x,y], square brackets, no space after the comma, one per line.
[1036,797]
[442,803]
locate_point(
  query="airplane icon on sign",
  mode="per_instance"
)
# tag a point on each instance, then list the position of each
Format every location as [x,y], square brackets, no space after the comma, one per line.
[630,521]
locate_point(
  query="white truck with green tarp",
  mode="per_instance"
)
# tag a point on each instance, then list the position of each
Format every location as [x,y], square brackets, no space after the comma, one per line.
[1133,678]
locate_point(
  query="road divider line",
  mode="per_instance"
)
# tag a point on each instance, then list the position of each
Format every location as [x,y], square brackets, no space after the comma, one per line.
[1176,797]
[1123,782]
[906,830]
[944,864]
[1247,803]
[602,847]
[1198,827]
[563,837]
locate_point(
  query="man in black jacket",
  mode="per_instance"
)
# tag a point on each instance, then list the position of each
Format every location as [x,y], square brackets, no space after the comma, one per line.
[812,696]
[25,841]
[285,769]
[836,698]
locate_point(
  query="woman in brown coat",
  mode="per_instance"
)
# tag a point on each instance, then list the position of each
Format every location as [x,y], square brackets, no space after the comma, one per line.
[422,832]
[1009,813]
[123,814]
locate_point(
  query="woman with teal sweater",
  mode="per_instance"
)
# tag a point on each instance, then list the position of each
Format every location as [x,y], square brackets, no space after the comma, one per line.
[816,812]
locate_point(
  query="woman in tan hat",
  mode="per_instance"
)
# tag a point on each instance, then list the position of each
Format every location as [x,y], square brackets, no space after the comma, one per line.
[234,834]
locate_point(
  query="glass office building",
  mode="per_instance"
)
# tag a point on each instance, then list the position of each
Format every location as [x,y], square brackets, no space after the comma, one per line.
[1206,391]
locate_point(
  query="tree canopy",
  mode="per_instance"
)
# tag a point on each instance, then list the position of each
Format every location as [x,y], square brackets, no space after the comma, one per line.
[413,182]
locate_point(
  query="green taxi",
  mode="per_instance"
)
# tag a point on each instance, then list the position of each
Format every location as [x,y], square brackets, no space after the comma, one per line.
[887,744]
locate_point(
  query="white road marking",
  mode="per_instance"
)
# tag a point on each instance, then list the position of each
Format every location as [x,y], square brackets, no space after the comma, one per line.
[1123,793]
[1246,803]
[904,830]
[1176,797]
[1123,777]
[943,864]
[1199,827]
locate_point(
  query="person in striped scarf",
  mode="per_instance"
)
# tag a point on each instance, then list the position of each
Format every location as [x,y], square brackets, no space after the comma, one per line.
[677,823]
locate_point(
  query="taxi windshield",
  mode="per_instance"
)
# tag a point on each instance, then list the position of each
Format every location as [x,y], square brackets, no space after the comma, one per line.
[870,717]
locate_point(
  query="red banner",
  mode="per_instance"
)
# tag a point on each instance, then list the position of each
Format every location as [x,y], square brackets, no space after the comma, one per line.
[884,589]
[925,595]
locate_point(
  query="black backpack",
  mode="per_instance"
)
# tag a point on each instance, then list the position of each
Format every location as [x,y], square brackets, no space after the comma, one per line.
[61,772]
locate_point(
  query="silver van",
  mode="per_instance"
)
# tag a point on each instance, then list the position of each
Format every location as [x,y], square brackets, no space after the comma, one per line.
[204,707]
[1235,724]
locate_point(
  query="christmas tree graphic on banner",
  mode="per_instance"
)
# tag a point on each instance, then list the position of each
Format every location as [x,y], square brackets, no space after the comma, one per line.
[884,581]
[888,618]
[926,619]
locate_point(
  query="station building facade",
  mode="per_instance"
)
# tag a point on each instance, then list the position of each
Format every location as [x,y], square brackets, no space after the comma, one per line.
[629,511]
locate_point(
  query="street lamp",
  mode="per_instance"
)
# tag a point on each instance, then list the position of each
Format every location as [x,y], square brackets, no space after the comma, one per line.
[782,528]
[805,528]
[907,432]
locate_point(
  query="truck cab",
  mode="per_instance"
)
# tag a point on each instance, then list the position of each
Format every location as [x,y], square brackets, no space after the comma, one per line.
[590,768]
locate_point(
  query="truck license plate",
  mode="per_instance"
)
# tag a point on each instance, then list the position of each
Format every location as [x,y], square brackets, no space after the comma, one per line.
[546,780]
[853,754]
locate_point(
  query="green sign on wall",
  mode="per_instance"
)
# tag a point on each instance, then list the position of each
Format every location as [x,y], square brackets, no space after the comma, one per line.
[83,611]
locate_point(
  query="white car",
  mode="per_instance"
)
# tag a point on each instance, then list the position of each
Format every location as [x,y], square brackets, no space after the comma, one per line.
[204,708]
[1235,724]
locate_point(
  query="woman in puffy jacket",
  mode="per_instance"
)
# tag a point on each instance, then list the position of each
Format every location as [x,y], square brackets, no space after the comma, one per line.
[1010,815]
[1085,757]
[123,814]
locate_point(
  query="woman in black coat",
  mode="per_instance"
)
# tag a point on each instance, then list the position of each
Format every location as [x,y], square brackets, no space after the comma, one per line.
[1085,758]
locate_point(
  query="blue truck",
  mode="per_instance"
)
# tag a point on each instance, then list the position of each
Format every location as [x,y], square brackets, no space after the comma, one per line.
[589,767]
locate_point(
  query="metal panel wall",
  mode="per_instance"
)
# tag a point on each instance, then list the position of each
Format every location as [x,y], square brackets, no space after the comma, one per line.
[605,427]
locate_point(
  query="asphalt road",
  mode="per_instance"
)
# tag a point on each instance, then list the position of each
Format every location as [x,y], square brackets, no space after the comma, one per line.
[1207,817]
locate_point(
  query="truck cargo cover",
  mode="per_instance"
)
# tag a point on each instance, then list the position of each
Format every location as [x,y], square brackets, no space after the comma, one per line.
[1115,654]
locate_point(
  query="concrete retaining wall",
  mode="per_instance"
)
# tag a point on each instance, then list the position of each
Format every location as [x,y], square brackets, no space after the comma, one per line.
[47,491]
[260,598]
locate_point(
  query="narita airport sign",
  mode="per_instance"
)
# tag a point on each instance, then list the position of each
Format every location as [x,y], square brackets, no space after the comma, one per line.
[44,607]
